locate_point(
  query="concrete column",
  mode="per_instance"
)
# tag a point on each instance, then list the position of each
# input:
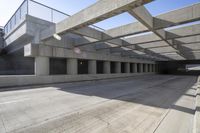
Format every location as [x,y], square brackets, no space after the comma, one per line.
[72,66]
[153,67]
[135,67]
[92,67]
[106,67]
[41,66]
[141,68]
[118,67]
[146,68]
[127,67]
[150,68]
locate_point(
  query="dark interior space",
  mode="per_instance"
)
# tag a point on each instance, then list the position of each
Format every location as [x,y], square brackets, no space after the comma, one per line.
[177,67]
[131,67]
[122,67]
[82,66]
[100,67]
[112,67]
[16,64]
[138,68]
[148,67]
[144,65]
[57,66]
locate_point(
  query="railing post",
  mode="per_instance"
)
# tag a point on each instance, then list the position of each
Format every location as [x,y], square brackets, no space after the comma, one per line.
[51,15]
[27,6]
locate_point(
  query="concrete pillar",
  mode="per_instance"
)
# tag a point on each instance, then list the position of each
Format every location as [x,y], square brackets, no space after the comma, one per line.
[41,66]
[106,67]
[127,67]
[146,68]
[153,67]
[92,67]
[150,68]
[118,67]
[141,68]
[72,66]
[135,67]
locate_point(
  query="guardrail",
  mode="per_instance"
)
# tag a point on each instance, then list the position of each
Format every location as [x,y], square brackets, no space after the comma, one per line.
[38,10]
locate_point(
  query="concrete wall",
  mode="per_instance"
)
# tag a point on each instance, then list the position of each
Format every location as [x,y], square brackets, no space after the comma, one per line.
[56,61]
[6,81]
[16,64]
[1,38]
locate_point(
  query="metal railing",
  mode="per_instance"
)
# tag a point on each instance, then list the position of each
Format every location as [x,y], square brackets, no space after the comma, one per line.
[38,10]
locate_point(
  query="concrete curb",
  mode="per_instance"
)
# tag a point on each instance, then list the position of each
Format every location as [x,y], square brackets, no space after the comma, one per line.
[196,126]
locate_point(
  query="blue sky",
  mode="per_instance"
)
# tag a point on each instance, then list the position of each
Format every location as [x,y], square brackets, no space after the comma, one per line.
[73,6]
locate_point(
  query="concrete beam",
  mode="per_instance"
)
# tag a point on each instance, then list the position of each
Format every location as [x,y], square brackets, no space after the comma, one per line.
[142,15]
[172,18]
[98,35]
[184,34]
[177,17]
[99,11]
[36,50]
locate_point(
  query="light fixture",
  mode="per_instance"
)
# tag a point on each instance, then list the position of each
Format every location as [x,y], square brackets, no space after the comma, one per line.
[56,36]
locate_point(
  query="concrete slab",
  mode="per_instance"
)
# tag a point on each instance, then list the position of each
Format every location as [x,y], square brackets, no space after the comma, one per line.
[134,104]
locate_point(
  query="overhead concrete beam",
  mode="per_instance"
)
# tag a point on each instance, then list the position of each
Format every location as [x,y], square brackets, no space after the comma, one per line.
[127,30]
[177,17]
[143,16]
[178,33]
[99,35]
[99,11]
[149,54]
[172,18]
[94,35]
[184,34]
[42,50]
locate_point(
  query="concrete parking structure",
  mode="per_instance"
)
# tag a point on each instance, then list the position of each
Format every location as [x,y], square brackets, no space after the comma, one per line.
[62,73]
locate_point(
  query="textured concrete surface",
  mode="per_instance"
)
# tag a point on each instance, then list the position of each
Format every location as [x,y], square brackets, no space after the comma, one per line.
[145,103]
[196,126]
[19,80]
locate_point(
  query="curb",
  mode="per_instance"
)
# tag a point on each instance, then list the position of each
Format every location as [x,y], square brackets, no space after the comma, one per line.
[196,126]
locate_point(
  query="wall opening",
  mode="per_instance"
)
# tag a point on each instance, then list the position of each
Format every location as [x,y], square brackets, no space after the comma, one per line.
[148,67]
[138,68]
[112,67]
[123,67]
[100,67]
[82,66]
[144,65]
[131,68]
[57,66]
